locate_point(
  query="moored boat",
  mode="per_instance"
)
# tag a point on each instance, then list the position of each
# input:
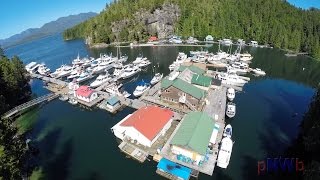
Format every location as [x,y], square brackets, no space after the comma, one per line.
[100,80]
[231,109]
[141,88]
[156,78]
[225,151]
[230,94]
[258,71]
[227,131]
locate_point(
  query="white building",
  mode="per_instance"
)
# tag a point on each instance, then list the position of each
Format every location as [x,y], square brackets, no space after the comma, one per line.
[144,126]
[86,94]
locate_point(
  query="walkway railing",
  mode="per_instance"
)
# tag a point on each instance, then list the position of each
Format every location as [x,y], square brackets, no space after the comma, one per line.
[29,104]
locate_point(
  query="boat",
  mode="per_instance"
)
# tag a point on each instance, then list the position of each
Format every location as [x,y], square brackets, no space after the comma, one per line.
[73,101]
[100,80]
[175,40]
[200,58]
[225,151]
[181,58]
[43,70]
[144,63]
[241,42]
[227,131]
[118,71]
[231,79]
[63,97]
[83,77]
[125,94]
[173,75]
[78,61]
[130,71]
[174,66]
[239,69]
[258,71]
[231,94]
[253,44]
[112,89]
[141,88]
[231,110]
[245,57]
[63,71]
[30,65]
[156,78]
[101,68]
[192,40]
[226,42]
[139,59]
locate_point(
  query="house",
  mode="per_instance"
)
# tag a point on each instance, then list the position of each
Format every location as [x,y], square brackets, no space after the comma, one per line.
[113,103]
[144,126]
[203,82]
[153,38]
[182,94]
[191,141]
[86,94]
[209,38]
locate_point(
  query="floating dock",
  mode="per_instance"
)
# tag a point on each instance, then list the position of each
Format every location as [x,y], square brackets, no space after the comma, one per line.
[133,151]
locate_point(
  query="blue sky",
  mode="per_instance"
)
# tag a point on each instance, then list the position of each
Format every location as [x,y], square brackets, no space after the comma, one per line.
[19,15]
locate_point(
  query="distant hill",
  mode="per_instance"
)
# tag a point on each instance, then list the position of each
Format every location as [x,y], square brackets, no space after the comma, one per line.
[50,28]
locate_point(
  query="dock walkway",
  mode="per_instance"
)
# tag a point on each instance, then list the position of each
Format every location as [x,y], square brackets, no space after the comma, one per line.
[133,152]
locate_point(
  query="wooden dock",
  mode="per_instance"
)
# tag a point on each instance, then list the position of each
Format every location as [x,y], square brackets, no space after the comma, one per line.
[133,152]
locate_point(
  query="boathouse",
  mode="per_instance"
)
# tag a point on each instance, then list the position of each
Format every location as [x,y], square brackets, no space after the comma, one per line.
[113,103]
[144,126]
[182,94]
[190,143]
[86,94]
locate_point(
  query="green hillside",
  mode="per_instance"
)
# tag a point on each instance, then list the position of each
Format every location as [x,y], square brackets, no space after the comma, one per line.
[273,21]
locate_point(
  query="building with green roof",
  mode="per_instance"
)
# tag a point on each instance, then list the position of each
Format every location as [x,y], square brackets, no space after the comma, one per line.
[193,68]
[201,80]
[192,138]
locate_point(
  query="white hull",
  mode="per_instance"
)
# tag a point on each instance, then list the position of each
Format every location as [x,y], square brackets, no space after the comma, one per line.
[139,93]
[225,151]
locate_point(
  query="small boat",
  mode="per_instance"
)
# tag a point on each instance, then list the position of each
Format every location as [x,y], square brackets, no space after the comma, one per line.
[73,101]
[156,78]
[253,44]
[258,71]
[100,80]
[83,77]
[231,110]
[112,89]
[43,70]
[63,97]
[144,63]
[141,88]
[126,94]
[230,94]
[231,79]
[225,152]
[227,131]
[174,66]
[181,57]
[139,59]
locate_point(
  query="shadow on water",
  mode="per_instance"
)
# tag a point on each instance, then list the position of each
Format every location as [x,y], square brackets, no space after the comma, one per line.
[57,166]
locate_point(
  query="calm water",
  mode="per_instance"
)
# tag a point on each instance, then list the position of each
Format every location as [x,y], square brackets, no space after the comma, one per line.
[76,143]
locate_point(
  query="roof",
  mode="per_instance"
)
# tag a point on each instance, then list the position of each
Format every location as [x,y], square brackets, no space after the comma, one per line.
[194,132]
[153,38]
[183,86]
[186,75]
[201,80]
[149,120]
[113,100]
[174,168]
[193,68]
[84,91]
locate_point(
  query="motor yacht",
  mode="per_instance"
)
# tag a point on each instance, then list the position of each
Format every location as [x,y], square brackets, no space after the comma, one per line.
[141,88]
[103,78]
[139,59]
[156,78]
[231,79]
[259,72]
[144,63]
[84,76]
[130,71]
[43,70]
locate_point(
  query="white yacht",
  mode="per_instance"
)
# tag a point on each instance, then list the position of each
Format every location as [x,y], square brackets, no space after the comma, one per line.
[253,43]
[174,66]
[125,94]
[100,80]
[141,88]
[118,71]
[83,77]
[43,70]
[78,61]
[144,63]
[200,58]
[63,71]
[181,58]
[231,94]
[175,40]
[173,75]
[241,42]
[31,66]
[231,79]
[231,109]
[246,57]
[225,151]
[226,42]
[73,101]
[227,131]
[101,68]
[259,72]
[139,59]
[112,89]
[156,78]
[130,71]
[222,54]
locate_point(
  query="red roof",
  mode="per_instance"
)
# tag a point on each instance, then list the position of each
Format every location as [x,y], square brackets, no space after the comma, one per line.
[149,120]
[153,38]
[84,91]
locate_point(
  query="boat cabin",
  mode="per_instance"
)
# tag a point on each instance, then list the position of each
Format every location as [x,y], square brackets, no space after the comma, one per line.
[86,94]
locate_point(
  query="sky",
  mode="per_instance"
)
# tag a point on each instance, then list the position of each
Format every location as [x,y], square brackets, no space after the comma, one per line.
[19,15]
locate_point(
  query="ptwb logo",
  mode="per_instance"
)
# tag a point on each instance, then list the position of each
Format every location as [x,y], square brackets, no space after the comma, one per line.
[280,165]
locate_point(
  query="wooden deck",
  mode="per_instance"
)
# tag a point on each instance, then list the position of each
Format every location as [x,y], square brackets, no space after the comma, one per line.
[133,152]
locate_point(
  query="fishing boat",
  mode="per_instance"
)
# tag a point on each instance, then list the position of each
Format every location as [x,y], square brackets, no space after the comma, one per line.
[227,131]
[231,109]
[258,71]
[100,80]
[43,70]
[231,94]
[139,59]
[141,88]
[130,71]
[156,78]
[144,63]
[84,76]
[225,151]
[73,101]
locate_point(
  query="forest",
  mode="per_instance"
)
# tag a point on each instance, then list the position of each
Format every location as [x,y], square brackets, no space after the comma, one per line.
[15,90]
[274,22]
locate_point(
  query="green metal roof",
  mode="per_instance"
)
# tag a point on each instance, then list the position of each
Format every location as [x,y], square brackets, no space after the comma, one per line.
[183,86]
[194,132]
[193,68]
[201,80]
